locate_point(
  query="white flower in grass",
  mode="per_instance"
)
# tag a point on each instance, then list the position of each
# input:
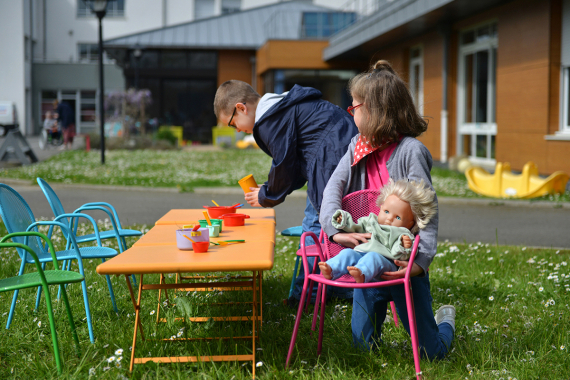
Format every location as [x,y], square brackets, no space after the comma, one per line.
[259,364]
[173,337]
[384,365]
[91,371]
[119,352]
[489,258]
[509,286]
[105,369]
[562,347]
[40,324]
[540,289]
[491,298]
[179,334]
[152,312]
[111,359]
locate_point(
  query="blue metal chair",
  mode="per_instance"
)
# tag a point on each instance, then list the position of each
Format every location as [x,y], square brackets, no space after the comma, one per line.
[18,217]
[118,232]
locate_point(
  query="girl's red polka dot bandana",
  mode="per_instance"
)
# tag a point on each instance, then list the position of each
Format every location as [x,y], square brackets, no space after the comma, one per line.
[364,148]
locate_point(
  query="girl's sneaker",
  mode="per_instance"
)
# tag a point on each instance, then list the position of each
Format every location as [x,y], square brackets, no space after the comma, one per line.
[446,314]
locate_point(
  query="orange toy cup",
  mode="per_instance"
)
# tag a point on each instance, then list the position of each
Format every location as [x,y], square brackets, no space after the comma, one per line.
[201,246]
[247,182]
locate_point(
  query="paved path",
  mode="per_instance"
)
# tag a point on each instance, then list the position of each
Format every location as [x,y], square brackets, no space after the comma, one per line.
[515,223]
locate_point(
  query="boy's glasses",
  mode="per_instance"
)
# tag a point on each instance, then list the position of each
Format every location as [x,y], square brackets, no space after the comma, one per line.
[351,109]
[231,118]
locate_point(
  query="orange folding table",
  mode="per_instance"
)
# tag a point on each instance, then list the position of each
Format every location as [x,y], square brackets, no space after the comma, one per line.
[156,253]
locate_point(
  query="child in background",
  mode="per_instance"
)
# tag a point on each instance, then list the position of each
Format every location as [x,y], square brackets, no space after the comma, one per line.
[305,135]
[50,125]
[405,208]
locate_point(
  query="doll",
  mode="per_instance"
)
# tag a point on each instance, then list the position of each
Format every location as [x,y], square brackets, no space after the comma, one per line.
[405,208]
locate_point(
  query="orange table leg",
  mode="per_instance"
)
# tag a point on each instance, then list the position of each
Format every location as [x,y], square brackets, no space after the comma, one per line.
[137,321]
[254,320]
[134,302]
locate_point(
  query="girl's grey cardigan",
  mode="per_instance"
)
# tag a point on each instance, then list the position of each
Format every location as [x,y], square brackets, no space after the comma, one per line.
[411,160]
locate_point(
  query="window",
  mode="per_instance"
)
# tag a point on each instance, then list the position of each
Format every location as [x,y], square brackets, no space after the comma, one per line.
[115,8]
[565,73]
[417,77]
[230,6]
[88,107]
[88,52]
[477,127]
[203,9]
[325,24]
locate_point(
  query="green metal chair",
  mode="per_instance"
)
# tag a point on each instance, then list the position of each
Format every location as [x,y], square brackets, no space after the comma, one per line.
[44,279]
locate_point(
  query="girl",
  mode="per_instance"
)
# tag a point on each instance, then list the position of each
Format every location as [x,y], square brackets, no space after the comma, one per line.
[386,148]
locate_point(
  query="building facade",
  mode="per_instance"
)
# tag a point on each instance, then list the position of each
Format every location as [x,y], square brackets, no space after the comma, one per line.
[492,77]
[55,52]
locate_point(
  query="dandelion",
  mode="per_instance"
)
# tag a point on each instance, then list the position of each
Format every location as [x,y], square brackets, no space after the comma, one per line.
[119,352]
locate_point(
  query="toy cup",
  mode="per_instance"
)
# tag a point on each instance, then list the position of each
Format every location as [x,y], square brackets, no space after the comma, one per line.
[201,235]
[215,222]
[201,246]
[247,182]
[214,230]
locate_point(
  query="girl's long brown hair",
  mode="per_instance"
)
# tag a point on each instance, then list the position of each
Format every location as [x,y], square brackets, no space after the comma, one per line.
[389,108]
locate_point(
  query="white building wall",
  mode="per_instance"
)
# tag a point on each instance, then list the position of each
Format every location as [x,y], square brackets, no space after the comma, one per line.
[12,67]
[334,4]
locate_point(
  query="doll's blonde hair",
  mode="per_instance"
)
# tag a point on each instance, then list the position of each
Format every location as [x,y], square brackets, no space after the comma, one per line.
[420,197]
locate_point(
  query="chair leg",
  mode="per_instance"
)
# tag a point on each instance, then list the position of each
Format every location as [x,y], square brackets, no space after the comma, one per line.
[297,322]
[87,309]
[66,265]
[58,361]
[394,313]
[316,310]
[322,320]
[70,317]
[294,277]
[111,293]
[413,328]
[315,264]
[15,298]
[39,290]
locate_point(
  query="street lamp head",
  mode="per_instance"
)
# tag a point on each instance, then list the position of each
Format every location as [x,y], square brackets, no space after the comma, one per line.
[99,7]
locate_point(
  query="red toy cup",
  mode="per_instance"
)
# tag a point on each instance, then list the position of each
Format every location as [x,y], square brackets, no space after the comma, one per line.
[234,219]
[216,212]
[201,246]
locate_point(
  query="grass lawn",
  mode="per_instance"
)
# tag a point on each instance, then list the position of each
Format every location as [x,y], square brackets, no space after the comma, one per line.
[189,169]
[512,323]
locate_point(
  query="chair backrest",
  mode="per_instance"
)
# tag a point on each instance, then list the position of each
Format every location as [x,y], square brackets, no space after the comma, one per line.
[17,216]
[54,203]
[358,204]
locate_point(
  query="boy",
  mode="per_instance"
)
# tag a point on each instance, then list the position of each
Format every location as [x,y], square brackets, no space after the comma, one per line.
[305,135]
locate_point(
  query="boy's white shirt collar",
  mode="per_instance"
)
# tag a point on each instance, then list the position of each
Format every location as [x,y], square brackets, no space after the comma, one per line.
[266,102]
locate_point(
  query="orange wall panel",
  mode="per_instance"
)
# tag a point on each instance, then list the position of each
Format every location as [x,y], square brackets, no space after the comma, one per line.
[235,64]
[283,54]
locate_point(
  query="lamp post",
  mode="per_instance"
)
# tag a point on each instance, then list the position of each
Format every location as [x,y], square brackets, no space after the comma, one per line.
[99,7]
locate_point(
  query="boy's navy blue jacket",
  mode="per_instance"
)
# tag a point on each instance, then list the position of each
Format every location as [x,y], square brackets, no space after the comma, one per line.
[306,137]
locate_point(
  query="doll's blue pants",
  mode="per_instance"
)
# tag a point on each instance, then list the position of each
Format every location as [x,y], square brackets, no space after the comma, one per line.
[371,264]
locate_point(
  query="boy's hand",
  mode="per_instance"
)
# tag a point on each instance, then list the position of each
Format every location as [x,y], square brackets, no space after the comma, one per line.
[406,241]
[253,197]
[339,219]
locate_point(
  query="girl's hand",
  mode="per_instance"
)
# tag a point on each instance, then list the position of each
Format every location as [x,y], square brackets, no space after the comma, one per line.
[352,239]
[253,197]
[416,270]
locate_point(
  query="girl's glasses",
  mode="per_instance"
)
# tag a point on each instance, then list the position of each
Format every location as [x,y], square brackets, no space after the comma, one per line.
[351,109]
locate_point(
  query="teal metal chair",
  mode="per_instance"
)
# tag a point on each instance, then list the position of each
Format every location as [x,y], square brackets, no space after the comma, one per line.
[44,279]
[118,232]
[18,217]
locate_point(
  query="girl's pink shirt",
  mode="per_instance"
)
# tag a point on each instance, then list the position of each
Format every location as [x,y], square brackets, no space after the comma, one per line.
[376,170]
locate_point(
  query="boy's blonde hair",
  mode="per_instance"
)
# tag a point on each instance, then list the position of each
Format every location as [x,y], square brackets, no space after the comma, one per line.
[420,197]
[232,92]
[389,111]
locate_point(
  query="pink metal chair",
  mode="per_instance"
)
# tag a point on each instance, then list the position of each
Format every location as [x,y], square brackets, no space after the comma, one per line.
[359,204]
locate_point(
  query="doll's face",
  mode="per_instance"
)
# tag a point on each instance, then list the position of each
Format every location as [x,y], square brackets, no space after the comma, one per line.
[396,212]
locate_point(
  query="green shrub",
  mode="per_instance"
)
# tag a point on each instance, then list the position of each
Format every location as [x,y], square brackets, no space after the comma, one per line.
[166,134]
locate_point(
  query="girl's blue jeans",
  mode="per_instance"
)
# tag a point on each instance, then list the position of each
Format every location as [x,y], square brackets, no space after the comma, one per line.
[371,264]
[369,311]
